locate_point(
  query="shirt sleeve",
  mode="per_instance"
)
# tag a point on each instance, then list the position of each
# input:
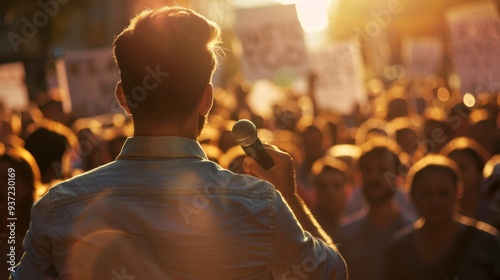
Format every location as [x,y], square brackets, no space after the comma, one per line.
[298,254]
[36,262]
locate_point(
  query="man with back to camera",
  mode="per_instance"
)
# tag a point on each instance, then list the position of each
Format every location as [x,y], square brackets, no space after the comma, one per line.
[162,210]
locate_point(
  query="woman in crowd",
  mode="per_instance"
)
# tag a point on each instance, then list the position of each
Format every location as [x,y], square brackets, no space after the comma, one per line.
[470,157]
[442,244]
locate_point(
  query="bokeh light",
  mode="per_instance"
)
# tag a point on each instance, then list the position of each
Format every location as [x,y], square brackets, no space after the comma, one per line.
[469,100]
[443,94]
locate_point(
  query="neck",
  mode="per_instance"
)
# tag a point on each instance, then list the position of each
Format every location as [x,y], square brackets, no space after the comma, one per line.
[186,129]
[384,214]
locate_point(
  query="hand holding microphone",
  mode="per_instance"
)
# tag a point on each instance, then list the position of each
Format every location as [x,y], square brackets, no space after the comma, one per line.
[245,134]
[280,172]
[280,167]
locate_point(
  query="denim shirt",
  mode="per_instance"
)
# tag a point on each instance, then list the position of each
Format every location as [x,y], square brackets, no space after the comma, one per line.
[162,210]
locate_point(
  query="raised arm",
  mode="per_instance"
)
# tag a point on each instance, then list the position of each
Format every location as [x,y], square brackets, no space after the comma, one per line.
[282,176]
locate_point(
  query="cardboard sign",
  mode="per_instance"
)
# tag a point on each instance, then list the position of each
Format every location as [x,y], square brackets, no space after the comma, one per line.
[340,85]
[475,48]
[421,56]
[474,33]
[272,42]
[13,91]
[90,77]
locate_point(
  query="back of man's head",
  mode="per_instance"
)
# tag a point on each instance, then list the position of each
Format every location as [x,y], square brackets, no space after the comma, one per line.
[166,58]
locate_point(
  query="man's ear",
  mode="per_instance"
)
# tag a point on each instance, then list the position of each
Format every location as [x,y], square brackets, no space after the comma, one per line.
[207,100]
[122,100]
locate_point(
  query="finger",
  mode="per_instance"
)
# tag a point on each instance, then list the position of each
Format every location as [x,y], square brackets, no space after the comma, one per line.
[252,167]
[279,157]
[270,146]
[246,166]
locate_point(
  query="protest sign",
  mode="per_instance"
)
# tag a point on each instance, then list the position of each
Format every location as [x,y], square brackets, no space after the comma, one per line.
[475,48]
[474,33]
[13,90]
[421,56]
[272,42]
[90,77]
[340,85]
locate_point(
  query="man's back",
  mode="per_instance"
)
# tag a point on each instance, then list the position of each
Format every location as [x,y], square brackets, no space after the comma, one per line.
[162,211]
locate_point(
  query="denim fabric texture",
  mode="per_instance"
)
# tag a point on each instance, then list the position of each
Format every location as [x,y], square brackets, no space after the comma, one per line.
[162,210]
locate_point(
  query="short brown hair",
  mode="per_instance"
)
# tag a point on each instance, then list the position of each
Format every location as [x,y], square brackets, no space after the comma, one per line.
[176,42]
[328,163]
[379,146]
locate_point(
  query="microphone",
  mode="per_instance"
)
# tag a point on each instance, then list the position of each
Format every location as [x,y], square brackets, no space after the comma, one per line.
[245,134]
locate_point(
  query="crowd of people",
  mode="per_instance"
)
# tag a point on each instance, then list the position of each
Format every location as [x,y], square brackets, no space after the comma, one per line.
[407,186]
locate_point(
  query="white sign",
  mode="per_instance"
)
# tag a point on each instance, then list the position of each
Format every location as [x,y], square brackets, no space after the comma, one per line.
[13,90]
[90,77]
[422,56]
[340,86]
[474,32]
[475,48]
[272,41]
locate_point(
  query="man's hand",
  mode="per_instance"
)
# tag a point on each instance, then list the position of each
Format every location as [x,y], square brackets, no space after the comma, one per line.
[281,175]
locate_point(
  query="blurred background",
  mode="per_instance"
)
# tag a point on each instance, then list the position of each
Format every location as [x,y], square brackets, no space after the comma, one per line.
[319,78]
[89,24]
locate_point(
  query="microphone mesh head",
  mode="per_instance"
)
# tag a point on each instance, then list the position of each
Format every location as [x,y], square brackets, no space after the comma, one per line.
[244,132]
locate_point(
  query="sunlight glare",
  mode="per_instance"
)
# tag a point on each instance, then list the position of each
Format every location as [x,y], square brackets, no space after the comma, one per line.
[313,14]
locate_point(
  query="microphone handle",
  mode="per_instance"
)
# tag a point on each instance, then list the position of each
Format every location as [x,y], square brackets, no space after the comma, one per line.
[258,152]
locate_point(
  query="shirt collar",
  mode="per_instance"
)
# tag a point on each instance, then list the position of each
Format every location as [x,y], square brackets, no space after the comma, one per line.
[146,147]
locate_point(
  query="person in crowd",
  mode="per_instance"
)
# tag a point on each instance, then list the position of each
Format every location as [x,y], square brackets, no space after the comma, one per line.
[51,105]
[442,244]
[329,183]
[408,139]
[312,140]
[491,174]
[335,129]
[436,131]
[53,146]
[457,119]
[30,117]
[10,128]
[491,104]
[162,210]
[373,128]
[349,154]
[397,108]
[226,140]
[364,236]
[291,143]
[484,129]
[21,185]
[470,157]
